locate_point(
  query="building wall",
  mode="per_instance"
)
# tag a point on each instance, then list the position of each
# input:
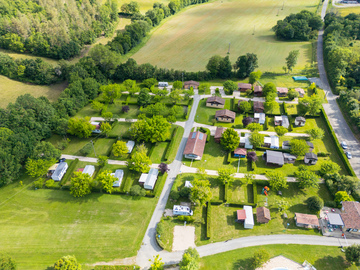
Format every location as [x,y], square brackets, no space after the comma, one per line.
[225,119]
[192,157]
[214,105]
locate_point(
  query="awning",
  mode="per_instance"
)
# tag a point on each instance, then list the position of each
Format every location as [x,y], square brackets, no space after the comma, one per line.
[335,219]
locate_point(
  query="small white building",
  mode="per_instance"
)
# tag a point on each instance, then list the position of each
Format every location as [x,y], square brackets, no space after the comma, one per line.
[163,84]
[249,220]
[245,141]
[188,184]
[300,121]
[89,169]
[179,210]
[60,171]
[119,174]
[130,146]
[259,118]
[272,142]
[148,180]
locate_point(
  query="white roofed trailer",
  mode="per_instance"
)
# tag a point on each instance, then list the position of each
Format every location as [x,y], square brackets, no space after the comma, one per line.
[179,210]
[249,220]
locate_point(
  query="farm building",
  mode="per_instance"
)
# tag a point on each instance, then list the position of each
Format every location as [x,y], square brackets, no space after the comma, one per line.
[258,90]
[225,116]
[60,171]
[310,158]
[148,180]
[245,141]
[179,210]
[258,107]
[218,133]
[272,142]
[119,174]
[274,158]
[281,120]
[240,152]
[351,216]
[215,101]
[195,145]
[300,121]
[249,220]
[300,91]
[193,84]
[89,169]
[259,118]
[96,126]
[163,84]
[288,158]
[242,87]
[263,215]
[282,91]
[306,220]
[130,146]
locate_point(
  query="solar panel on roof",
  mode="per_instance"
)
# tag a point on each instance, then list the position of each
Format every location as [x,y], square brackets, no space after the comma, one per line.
[193,135]
[201,136]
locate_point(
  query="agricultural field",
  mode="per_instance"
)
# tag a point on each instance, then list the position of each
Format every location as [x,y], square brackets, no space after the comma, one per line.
[202,31]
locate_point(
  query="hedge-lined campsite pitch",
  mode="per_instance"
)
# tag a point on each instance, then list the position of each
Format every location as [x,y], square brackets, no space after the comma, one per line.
[189,39]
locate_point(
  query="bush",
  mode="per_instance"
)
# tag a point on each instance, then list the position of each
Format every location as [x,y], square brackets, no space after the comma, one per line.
[266,124]
[226,187]
[171,145]
[331,204]
[137,191]
[188,219]
[315,203]
[253,166]
[86,149]
[323,154]
[38,183]
[208,220]
[174,195]
[285,108]
[185,192]
[50,183]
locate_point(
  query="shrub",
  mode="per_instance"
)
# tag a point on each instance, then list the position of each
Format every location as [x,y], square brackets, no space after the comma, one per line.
[260,257]
[38,183]
[185,192]
[86,149]
[331,204]
[188,219]
[49,183]
[266,124]
[323,154]
[174,195]
[137,191]
[208,220]
[315,203]
[253,166]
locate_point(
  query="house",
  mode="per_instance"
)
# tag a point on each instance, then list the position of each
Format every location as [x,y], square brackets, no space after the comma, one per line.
[218,134]
[215,102]
[288,158]
[130,146]
[240,152]
[300,91]
[195,145]
[188,184]
[351,216]
[189,84]
[282,120]
[225,116]
[163,84]
[310,158]
[96,126]
[242,87]
[245,141]
[119,174]
[258,107]
[259,118]
[240,216]
[89,169]
[286,145]
[300,121]
[249,220]
[271,142]
[274,158]
[263,215]
[306,220]
[258,91]
[148,180]
[311,146]
[282,91]
[179,210]
[60,171]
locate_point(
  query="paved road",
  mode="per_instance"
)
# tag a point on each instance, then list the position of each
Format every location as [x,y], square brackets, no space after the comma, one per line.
[341,128]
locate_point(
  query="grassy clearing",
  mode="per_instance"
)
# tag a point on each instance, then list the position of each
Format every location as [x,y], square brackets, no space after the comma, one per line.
[102,147]
[177,142]
[321,257]
[209,28]
[11,89]
[157,155]
[38,227]
[114,108]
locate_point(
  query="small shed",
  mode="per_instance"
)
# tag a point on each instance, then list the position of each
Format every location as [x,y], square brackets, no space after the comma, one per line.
[271,142]
[151,179]
[240,215]
[258,107]
[218,134]
[245,141]
[306,220]
[193,84]
[130,146]
[335,219]
[288,158]
[300,91]
[282,91]
[119,174]
[259,118]
[310,158]
[240,152]
[300,121]
[215,102]
[258,90]
[225,116]
[244,86]
[262,215]
[89,169]
[180,210]
[60,171]
[282,120]
[286,145]
[275,158]
[163,84]
[249,220]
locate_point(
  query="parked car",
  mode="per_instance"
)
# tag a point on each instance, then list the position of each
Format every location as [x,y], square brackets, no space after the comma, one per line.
[348,154]
[344,145]
[62,160]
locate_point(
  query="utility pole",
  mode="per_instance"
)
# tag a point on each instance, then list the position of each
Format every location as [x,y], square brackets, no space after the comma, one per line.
[92,143]
[229,49]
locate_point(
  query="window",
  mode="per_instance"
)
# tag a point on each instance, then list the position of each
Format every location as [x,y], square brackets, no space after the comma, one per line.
[193,135]
[201,136]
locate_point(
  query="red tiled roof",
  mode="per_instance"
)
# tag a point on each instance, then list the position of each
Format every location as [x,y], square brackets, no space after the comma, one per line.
[228,113]
[351,215]
[300,91]
[218,132]
[241,214]
[240,151]
[263,215]
[244,85]
[191,83]
[216,99]
[282,89]
[258,105]
[307,219]
[194,144]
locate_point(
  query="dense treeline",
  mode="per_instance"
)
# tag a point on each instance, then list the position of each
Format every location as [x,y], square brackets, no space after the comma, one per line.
[54,28]
[341,60]
[349,101]
[300,26]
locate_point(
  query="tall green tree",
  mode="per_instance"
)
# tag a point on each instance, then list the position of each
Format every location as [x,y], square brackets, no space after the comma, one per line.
[213,65]
[67,263]
[255,76]
[245,106]
[139,160]
[352,254]
[97,105]
[269,88]
[256,139]
[155,129]
[144,98]
[80,184]
[280,130]
[246,64]
[38,167]
[200,192]
[204,87]
[306,178]
[230,139]
[177,85]
[105,128]
[277,179]
[260,257]
[311,105]
[190,260]
[176,96]
[110,92]
[329,167]
[291,60]
[157,263]
[80,127]
[229,87]
[106,180]
[119,148]
[316,133]
[298,147]
[46,150]
[226,176]
[102,161]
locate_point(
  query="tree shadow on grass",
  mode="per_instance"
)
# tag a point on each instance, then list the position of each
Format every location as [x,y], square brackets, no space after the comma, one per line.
[65,196]
[244,264]
[329,262]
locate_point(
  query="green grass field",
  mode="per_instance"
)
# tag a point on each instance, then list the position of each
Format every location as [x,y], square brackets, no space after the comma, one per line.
[202,31]
[38,227]
[321,257]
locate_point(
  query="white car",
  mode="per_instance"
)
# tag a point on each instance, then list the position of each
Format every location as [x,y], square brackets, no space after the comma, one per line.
[344,145]
[348,154]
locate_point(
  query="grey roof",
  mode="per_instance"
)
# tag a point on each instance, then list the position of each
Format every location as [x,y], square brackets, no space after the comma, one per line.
[216,99]
[289,156]
[274,157]
[59,168]
[311,156]
[286,143]
[335,219]
[300,118]
[310,144]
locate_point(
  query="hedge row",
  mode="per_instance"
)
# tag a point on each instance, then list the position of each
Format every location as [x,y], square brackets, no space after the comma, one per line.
[208,220]
[160,184]
[233,104]
[255,192]
[127,100]
[337,145]
[171,145]
[266,124]
[228,158]
[69,172]
[117,267]
[226,188]
[151,150]
[285,108]
[253,166]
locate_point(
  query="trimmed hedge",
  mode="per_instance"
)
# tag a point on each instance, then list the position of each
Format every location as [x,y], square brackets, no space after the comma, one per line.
[266,124]
[69,172]
[226,187]
[208,220]
[117,267]
[228,158]
[285,108]
[127,100]
[253,166]
[171,144]
[233,104]
[160,184]
[255,192]
[151,150]
[337,145]
[240,204]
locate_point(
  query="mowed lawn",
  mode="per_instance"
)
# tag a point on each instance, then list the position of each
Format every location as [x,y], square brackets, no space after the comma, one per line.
[11,89]
[38,227]
[200,32]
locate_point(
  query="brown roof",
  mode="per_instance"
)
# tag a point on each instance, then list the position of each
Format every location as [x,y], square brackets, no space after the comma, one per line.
[240,151]
[258,105]
[195,143]
[300,91]
[191,83]
[257,88]
[218,132]
[241,214]
[351,215]
[228,113]
[282,89]
[307,219]
[244,85]
[216,99]
[262,215]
